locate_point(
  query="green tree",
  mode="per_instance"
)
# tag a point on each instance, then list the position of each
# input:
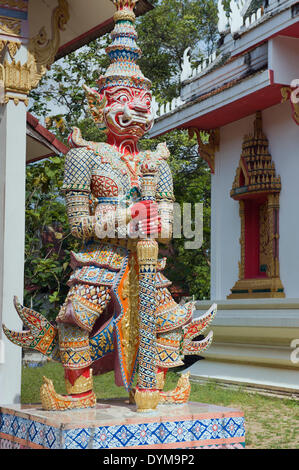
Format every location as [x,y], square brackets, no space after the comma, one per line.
[60,93]
[47,242]
[166,32]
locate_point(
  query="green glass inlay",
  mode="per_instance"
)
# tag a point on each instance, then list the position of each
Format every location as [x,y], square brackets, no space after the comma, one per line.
[261,290]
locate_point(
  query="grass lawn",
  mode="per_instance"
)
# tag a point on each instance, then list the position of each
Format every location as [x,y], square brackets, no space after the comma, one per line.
[271,423]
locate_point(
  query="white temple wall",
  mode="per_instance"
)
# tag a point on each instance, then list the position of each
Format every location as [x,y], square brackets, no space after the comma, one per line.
[12,239]
[283,136]
[225,221]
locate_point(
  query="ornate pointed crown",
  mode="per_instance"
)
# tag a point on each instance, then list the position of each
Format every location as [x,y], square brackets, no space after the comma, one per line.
[123,51]
[256,171]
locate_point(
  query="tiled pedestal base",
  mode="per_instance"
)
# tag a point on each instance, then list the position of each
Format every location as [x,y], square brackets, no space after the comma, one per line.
[116,424]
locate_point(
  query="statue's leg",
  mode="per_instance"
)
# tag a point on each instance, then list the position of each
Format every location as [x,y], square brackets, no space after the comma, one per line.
[83,306]
[176,330]
[171,318]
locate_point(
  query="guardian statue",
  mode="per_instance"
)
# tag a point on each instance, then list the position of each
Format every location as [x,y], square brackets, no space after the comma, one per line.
[119,314]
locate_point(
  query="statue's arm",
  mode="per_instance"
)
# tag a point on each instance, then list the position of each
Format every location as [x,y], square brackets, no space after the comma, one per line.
[82,224]
[85,226]
[165,200]
[76,187]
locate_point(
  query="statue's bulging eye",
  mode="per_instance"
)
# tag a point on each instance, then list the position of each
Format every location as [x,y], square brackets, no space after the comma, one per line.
[147,101]
[123,99]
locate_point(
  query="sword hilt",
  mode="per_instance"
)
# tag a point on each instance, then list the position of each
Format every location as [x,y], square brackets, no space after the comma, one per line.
[149,172]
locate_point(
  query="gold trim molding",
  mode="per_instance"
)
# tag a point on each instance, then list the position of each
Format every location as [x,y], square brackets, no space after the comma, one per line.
[286,93]
[12,47]
[10,26]
[207,148]
[17,77]
[260,288]
[41,49]
[20,4]
[22,78]
[15,99]
[256,177]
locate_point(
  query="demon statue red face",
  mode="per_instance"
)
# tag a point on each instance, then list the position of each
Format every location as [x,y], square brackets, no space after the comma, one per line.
[123,112]
[128,112]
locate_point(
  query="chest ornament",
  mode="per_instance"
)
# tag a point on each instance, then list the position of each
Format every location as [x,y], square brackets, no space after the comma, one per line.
[102,186]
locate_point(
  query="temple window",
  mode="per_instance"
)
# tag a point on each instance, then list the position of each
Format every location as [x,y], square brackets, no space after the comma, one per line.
[257,188]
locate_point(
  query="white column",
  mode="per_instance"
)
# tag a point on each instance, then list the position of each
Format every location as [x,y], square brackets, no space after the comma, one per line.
[12,236]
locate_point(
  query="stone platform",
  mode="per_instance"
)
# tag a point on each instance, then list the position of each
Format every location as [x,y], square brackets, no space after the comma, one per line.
[115,424]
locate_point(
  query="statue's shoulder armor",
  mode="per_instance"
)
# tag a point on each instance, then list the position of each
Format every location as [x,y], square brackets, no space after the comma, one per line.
[164,189]
[160,155]
[76,141]
[77,170]
[78,155]
[162,152]
[106,153]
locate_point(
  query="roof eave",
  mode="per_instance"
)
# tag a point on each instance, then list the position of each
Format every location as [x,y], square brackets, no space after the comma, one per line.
[52,145]
[142,7]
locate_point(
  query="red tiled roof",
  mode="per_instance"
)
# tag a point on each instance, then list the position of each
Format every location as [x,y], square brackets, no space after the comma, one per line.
[43,132]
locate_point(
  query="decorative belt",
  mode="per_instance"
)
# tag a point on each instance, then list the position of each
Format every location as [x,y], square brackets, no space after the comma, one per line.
[109,200]
[128,243]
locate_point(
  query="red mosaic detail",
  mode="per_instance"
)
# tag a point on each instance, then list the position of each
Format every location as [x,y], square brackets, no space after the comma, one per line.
[101,186]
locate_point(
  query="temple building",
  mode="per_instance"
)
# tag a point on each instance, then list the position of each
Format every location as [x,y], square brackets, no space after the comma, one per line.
[33,34]
[246,96]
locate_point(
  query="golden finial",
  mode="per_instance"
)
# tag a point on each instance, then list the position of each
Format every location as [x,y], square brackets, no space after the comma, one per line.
[124,10]
[121,4]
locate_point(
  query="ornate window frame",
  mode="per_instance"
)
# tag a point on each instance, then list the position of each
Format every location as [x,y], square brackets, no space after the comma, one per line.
[257,188]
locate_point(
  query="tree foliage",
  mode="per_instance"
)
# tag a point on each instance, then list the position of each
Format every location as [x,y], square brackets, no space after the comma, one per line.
[164,34]
[47,241]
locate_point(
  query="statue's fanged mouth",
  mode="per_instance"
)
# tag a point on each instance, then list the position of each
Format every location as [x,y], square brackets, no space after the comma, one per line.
[131,118]
[135,118]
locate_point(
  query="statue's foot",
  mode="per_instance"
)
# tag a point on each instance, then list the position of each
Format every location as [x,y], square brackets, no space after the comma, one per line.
[146,400]
[52,401]
[180,394]
[160,385]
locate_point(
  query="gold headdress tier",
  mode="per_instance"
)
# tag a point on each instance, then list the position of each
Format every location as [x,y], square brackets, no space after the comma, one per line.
[125,10]
[123,51]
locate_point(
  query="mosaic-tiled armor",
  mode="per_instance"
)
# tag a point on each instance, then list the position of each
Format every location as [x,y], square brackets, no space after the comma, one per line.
[119,314]
[99,186]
